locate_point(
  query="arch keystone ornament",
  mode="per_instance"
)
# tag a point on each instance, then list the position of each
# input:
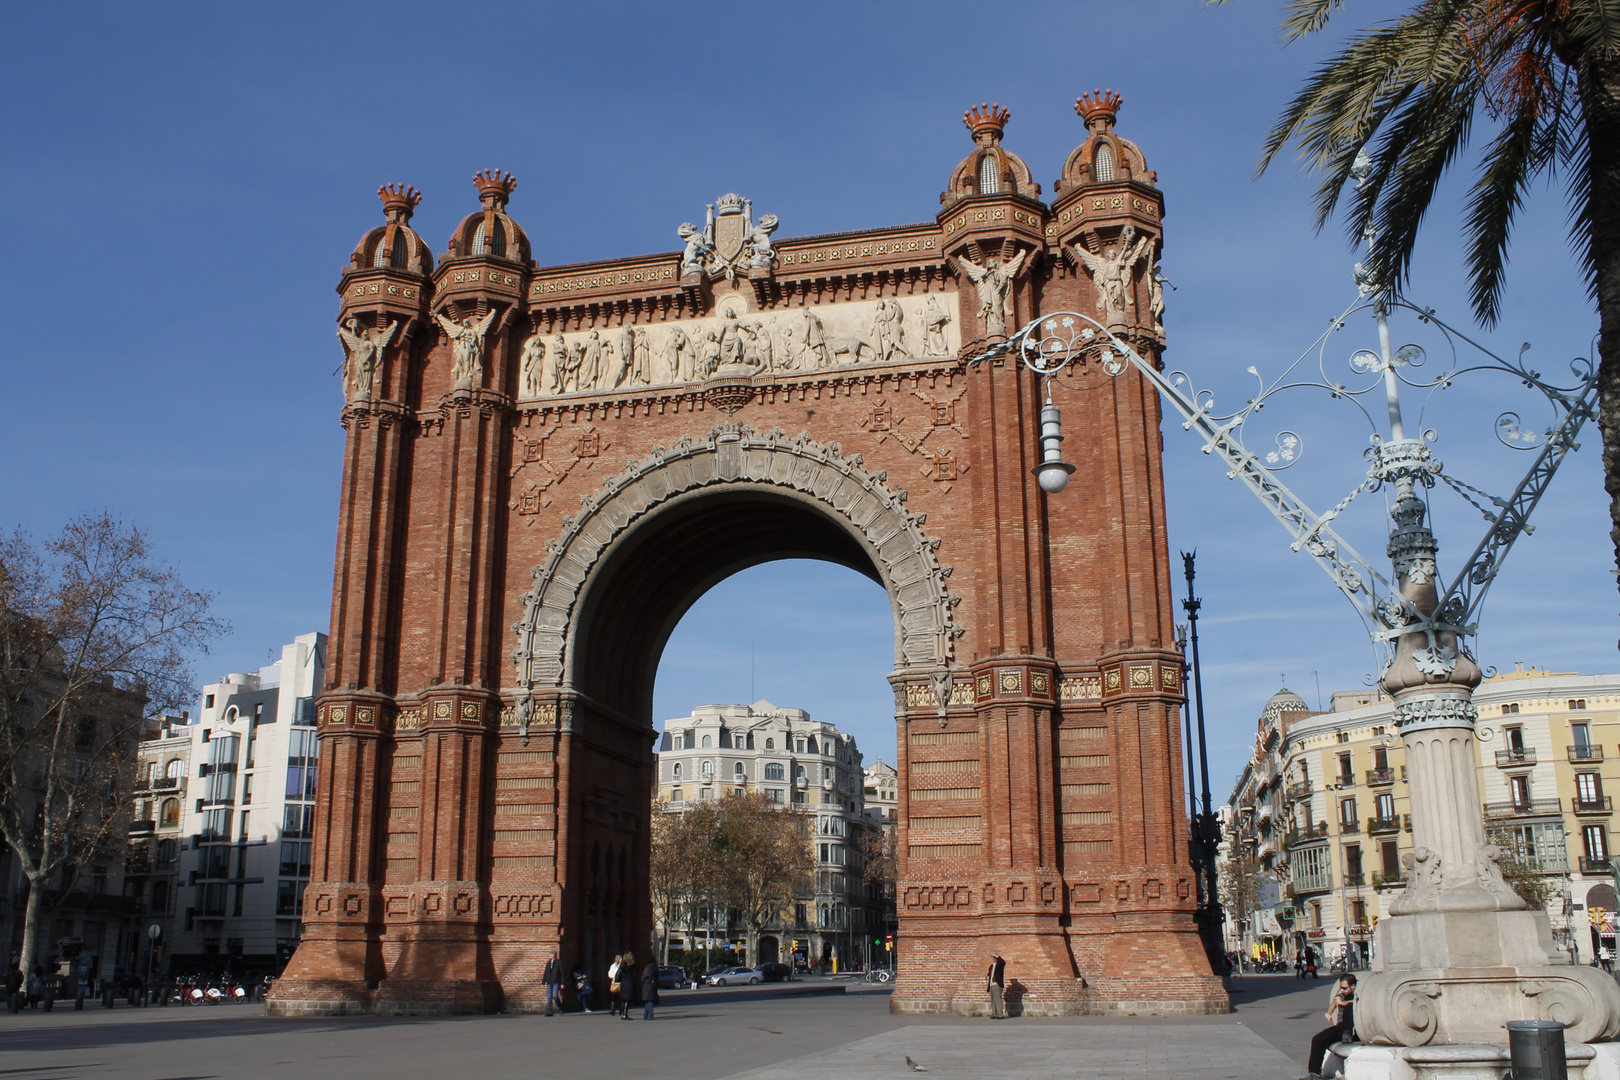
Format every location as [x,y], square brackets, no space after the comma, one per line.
[577,453]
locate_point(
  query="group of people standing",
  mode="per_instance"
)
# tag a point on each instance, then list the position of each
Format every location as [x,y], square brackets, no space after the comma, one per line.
[627,987]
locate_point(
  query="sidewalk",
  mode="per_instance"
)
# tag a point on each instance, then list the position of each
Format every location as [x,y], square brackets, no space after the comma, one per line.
[709,1039]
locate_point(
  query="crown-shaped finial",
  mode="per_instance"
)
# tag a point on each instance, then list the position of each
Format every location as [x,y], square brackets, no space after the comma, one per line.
[494,184]
[1099,106]
[399,200]
[987,119]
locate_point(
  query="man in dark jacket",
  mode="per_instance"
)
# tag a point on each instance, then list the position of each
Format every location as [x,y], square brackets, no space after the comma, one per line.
[649,989]
[553,978]
[995,979]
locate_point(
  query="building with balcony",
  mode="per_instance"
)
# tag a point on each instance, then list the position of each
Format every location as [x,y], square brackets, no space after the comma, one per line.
[1346,821]
[798,762]
[152,866]
[248,816]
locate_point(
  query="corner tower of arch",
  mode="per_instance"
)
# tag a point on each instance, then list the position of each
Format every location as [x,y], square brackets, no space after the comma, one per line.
[547,465]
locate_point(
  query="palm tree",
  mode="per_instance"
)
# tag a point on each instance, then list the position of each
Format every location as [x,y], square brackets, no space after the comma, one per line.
[1546,76]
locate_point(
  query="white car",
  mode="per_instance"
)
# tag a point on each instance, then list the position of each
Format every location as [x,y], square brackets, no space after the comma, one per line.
[734,976]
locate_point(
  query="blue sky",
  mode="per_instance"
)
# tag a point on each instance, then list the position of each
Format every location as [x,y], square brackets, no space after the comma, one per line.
[181,184]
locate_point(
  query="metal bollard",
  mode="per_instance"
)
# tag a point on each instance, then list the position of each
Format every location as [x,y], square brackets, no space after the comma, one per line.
[1536,1050]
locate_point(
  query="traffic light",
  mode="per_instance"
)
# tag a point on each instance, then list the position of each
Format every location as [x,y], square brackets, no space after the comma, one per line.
[876,942]
[888,942]
[1595,916]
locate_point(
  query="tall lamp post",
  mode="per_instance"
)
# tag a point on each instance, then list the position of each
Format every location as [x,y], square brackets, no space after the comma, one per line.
[1459,953]
[1206,829]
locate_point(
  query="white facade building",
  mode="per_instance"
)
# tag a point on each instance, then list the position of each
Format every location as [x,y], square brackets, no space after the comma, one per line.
[248,818]
[883,793]
[798,762]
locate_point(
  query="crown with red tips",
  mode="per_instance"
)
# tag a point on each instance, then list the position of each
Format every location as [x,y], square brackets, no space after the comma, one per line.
[1098,105]
[986,118]
[399,199]
[494,184]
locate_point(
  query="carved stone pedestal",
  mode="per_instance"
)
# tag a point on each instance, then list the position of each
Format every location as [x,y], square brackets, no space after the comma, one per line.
[1480,1062]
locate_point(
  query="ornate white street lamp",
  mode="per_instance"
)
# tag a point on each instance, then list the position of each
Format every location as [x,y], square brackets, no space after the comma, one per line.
[1459,955]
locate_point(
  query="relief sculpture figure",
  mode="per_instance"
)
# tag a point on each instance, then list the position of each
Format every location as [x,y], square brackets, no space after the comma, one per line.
[559,365]
[697,248]
[641,369]
[590,364]
[365,349]
[731,340]
[711,355]
[1112,270]
[1156,284]
[935,319]
[627,356]
[815,341]
[791,352]
[670,369]
[466,345]
[764,351]
[531,368]
[760,241]
[576,359]
[994,280]
[888,335]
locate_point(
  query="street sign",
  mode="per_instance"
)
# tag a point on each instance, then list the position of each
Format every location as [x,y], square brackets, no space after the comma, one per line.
[154,931]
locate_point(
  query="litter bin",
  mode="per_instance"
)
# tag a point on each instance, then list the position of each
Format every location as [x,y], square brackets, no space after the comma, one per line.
[1536,1048]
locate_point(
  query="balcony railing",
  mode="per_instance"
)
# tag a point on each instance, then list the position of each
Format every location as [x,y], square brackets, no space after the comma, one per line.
[1307,834]
[1355,879]
[1312,883]
[1584,754]
[142,828]
[1383,825]
[1299,790]
[1524,755]
[1600,805]
[1380,777]
[1388,879]
[1590,865]
[1348,827]
[1523,808]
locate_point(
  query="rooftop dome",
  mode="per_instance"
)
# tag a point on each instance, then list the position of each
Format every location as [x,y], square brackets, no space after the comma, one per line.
[1104,157]
[394,245]
[989,170]
[1284,700]
[491,231]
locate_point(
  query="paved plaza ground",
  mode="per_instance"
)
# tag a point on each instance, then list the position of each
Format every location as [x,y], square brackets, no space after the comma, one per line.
[703,1035]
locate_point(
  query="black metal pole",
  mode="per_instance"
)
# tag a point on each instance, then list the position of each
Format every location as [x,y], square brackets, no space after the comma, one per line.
[1211,917]
[1186,674]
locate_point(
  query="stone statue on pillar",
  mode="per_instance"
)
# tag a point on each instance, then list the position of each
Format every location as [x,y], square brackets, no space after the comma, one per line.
[994,280]
[365,348]
[467,346]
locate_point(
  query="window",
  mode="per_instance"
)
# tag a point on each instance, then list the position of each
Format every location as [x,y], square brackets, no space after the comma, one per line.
[675,742]
[1519,787]
[1577,703]
[798,746]
[160,898]
[798,771]
[708,766]
[798,797]
[737,770]
[1386,807]
[1582,734]
[774,771]
[826,772]
[676,771]
[774,794]
[770,744]
[169,816]
[988,174]
[1342,736]
[1315,908]
[1347,811]
[208,701]
[1390,852]
[1347,772]
[1352,860]
[295,860]
[676,795]
[1588,788]
[705,793]
[299,822]
[289,897]
[810,745]
[1380,758]
[247,787]
[705,742]
[1102,162]
[750,741]
[1515,739]
[1596,839]
[1358,913]
[1510,709]
[496,246]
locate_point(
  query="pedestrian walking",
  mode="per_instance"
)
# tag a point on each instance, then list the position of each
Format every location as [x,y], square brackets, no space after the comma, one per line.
[36,986]
[553,978]
[1606,958]
[995,981]
[649,989]
[1341,1018]
[615,987]
[1299,965]
[627,981]
[1310,962]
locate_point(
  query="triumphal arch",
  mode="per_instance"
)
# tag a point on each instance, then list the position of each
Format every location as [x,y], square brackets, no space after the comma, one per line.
[547,465]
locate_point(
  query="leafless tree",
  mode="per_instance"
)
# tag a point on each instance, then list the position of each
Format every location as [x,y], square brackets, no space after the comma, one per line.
[765,859]
[92,628]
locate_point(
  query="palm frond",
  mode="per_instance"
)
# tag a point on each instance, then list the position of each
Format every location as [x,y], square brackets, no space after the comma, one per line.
[1304,17]
[1496,199]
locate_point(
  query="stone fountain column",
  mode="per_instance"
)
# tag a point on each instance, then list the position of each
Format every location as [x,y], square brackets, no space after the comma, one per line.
[1460,955]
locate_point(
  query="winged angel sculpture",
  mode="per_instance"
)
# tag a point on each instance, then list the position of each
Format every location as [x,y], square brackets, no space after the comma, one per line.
[994,280]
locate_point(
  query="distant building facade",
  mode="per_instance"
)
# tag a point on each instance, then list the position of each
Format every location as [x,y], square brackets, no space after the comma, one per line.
[882,793]
[799,762]
[248,817]
[152,874]
[1322,809]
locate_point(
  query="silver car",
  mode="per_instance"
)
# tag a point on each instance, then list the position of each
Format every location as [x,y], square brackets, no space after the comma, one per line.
[734,976]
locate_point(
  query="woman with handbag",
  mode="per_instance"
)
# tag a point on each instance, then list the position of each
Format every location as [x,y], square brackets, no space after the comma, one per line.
[615,987]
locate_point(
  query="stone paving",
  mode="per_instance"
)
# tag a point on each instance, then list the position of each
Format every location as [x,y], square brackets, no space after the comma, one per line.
[710,1037]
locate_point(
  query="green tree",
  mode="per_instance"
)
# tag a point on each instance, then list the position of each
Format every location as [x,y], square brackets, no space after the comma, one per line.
[92,627]
[1545,75]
